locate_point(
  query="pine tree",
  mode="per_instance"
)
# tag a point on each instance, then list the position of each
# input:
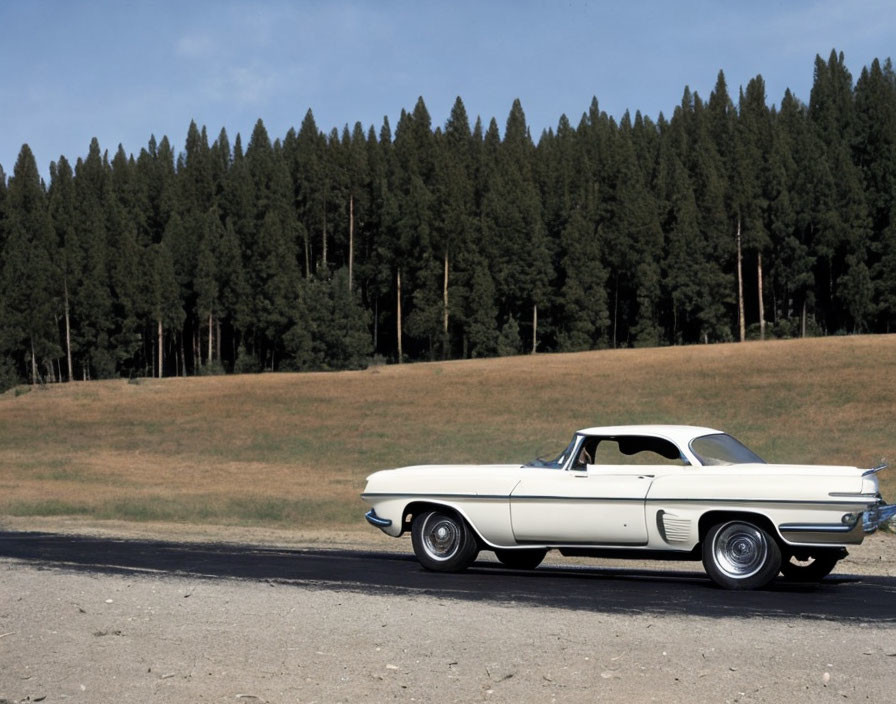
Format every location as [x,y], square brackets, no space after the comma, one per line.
[91,294]
[512,206]
[874,151]
[843,226]
[30,283]
[750,182]
[233,291]
[583,298]
[206,281]
[126,271]
[454,223]
[164,302]
[61,204]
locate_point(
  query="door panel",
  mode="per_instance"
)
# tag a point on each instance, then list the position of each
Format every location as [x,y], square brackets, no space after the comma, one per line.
[603,506]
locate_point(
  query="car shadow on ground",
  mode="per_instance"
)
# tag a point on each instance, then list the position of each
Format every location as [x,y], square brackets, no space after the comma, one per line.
[598,589]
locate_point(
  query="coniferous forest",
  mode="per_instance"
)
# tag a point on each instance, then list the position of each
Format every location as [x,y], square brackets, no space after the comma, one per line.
[729,220]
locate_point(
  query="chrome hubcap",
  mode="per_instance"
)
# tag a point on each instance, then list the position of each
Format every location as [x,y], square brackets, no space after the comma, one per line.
[441,537]
[740,550]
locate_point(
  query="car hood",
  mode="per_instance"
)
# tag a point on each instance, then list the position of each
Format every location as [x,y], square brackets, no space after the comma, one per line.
[446,478]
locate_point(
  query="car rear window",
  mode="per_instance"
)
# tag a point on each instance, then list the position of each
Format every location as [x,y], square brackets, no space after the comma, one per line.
[722,449]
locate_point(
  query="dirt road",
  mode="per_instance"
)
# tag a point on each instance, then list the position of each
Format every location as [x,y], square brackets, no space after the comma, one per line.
[81,635]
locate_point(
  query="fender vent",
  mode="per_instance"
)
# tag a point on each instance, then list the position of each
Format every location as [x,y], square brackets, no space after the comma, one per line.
[677,530]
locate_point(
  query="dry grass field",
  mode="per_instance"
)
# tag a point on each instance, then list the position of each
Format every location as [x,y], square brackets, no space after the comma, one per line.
[293,449]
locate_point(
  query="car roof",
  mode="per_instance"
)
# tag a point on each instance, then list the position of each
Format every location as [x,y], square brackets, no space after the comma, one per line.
[679,434]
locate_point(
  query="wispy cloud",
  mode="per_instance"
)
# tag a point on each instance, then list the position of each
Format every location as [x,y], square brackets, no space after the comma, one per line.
[195,46]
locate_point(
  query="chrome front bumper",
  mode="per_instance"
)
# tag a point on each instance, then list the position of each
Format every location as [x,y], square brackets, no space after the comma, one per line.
[375,520]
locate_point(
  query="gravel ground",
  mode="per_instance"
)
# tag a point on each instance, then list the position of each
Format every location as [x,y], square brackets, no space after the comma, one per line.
[85,637]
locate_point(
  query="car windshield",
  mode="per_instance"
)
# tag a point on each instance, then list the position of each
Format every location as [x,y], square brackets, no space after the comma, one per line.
[722,449]
[559,460]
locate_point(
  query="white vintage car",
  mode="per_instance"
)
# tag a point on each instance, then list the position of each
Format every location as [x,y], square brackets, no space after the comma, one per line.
[640,491]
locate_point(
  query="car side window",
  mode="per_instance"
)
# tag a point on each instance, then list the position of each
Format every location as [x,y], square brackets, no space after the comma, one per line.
[636,450]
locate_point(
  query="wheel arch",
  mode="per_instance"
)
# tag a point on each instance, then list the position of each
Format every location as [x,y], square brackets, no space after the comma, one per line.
[760,520]
[415,508]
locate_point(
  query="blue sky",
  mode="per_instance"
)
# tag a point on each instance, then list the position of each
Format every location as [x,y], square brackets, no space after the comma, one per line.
[122,71]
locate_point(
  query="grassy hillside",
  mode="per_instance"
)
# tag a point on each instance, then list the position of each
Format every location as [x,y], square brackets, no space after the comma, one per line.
[293,449]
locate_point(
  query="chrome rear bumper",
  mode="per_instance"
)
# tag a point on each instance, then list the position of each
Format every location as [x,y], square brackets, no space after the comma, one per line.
[873,518]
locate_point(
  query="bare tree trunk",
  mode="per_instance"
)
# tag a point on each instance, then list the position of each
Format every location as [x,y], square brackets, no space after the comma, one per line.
[323,237]
[398,313]
[183,353]
[197,349]
[68,332]
[307,255]
[33,365]
[534,327]
[376,323]
[615,308]
[445,309]
[161,350]
[761,302]
[351,238]
[211,326]
[740,287]
[803,320]
[218,339]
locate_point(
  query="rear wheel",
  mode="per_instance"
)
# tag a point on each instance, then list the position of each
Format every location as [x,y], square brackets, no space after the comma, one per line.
[521,559]
[443,541]
[740,555]
[813,569]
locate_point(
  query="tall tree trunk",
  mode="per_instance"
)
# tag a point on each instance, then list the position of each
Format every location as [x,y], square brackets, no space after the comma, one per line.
[615,308]
[161,358]
[376,323]
[33,365]
[307,254]
[761,302]
[218,338]
[398,313]
[323,238]
[211,327]
[534,327]
[68,332]
[445,310]
[740,287]
[351,238]
[197,349]
[803,320]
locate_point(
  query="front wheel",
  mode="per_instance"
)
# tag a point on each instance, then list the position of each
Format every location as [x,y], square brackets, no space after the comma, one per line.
[443,542]
[740,555]
[813,569]
[527,559]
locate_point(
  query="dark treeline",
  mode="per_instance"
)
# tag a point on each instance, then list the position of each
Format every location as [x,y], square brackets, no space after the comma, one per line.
[730,220]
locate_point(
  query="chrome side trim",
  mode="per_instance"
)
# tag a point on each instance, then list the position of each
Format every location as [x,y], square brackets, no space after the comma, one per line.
[395,495]
[375,520]
[815,528]
[710,499]
[654,500]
